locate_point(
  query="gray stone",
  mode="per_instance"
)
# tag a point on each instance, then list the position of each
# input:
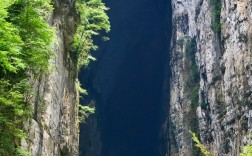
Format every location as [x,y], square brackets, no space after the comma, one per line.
[225,63]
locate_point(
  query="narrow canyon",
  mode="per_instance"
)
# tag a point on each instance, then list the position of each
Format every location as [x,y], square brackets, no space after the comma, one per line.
[164,77]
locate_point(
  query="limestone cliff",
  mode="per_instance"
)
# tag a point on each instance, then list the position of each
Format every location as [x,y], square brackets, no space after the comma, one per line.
[211,82]
[54,129]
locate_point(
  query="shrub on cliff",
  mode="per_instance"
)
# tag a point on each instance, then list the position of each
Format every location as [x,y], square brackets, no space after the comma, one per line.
[246,150]
[216,14]
[200,145]
[93,19]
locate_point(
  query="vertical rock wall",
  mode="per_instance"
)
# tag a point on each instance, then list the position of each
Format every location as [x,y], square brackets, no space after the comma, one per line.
[215,100]
[54,129]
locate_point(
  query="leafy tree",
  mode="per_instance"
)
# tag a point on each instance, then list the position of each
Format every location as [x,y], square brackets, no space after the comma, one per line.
[10,43]
[25,45]
[29,17]
[93,19]
[13,112]
[84,112]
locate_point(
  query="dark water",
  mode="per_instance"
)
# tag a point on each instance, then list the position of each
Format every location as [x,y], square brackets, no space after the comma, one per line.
[129,75]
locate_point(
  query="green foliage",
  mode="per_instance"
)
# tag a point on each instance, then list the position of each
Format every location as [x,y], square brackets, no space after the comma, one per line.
[26,38]
[29,17]
[13,112]
[10,43]
[192,86]
[216,26]
[22,152]
[25,45]
[194,76]
[247,150]
[93,19]
[216,7]
[82,90]
[84,112]
[192,83]
[200,145]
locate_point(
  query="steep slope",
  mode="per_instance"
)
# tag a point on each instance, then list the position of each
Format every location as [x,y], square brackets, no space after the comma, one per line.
[211,82]
[54,129]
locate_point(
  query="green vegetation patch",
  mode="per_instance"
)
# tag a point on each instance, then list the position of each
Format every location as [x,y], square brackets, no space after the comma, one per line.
[93,20]
[25,46]
[216,14]
[199,145]
[192,87]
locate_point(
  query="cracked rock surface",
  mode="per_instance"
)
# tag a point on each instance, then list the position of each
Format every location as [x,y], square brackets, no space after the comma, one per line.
[222,116]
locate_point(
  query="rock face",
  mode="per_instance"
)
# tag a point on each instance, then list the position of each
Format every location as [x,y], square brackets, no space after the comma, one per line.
[210,87]
[54,129]
[211,82]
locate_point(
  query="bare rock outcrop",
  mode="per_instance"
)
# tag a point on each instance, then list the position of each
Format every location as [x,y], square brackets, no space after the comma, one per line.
[211,84]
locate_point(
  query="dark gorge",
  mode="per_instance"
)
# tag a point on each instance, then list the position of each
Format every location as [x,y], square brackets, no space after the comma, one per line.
[126,82]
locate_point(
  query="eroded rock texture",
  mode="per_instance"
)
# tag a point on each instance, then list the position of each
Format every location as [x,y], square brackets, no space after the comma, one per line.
[211,82]
[54,129]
